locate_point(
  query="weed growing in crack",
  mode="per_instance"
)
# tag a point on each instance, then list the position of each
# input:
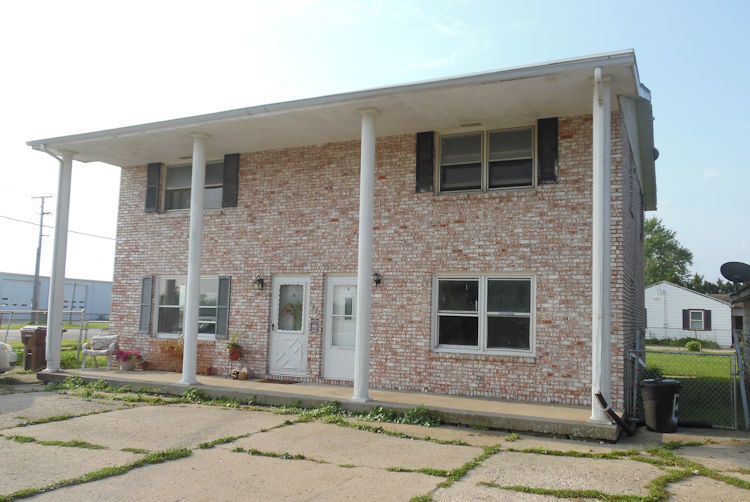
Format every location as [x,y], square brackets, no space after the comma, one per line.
[222,440]
[272,454]
[460,472]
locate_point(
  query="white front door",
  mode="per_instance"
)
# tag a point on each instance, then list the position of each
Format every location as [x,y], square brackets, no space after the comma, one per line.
[289,326]
[340,326]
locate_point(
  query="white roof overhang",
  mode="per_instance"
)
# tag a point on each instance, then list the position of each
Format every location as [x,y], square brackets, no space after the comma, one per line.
[502,98]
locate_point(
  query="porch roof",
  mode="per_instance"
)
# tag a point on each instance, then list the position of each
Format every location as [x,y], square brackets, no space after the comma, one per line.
[502,98]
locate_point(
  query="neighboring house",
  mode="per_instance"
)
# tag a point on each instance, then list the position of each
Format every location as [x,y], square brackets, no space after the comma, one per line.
[738,317]
[16,293]
[493,209]
[674,312]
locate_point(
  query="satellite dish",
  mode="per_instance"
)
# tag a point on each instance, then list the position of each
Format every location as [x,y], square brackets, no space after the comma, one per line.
[736,271]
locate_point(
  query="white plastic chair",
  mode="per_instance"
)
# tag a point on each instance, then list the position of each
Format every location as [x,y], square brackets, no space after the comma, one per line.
[101,345]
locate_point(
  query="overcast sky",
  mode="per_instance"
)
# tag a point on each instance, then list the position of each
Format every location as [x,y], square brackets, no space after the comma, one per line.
[73,66]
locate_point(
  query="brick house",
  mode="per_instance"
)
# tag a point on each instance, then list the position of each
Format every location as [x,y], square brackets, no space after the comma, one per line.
[447,236]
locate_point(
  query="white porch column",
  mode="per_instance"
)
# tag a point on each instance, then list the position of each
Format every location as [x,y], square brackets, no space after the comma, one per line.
[57,279]
[364,266]
[192,295]
[600,323]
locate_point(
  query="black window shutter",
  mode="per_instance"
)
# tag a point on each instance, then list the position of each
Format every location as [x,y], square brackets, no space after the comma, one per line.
[222,306]
[425,162]
[144,320]
[231,179]
[547,150]
[153,180]
[707,320]
[685,319]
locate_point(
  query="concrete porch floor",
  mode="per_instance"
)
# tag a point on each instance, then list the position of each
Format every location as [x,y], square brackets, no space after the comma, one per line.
[547,419]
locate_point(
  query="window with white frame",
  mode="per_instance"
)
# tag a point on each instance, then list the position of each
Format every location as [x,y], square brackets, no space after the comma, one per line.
[487,160]
[484,313]
[171,307]
[696,320]
[177,186]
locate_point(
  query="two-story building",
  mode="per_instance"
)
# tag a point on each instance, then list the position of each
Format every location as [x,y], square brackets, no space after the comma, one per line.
[478,235]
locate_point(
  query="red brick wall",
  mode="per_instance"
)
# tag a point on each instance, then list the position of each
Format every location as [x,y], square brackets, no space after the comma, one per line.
[628,281]
[297,214]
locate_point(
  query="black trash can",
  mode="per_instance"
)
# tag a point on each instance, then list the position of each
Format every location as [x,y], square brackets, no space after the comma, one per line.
[660,403]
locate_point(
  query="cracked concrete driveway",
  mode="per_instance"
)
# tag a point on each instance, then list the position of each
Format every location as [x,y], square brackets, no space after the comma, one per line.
[60,445]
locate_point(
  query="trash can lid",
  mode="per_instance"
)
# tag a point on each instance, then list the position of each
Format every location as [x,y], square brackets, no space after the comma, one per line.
[33,329]
[660,382]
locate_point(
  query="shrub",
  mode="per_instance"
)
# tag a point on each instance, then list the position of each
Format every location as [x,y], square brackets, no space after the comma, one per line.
[680,342]
[693,346]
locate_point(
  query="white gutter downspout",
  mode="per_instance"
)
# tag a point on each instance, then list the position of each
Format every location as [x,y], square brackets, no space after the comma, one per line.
[57,278]
[600,275]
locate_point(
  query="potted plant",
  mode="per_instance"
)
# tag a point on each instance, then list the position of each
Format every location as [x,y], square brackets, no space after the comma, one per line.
[127,358]
[234,348]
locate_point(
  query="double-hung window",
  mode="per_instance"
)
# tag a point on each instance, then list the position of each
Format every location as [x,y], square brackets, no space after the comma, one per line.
[484,313]
[177,186]
[171,311]
[487,160]
[696,320]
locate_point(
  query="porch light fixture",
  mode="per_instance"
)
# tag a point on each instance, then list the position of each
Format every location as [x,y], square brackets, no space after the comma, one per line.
[258,282]
[377,278]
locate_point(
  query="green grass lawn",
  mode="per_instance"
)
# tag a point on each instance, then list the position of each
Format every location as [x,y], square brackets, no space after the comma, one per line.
[705,384]
[689,364]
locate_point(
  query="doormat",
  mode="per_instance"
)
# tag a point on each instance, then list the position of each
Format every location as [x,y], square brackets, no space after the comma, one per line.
[282,382]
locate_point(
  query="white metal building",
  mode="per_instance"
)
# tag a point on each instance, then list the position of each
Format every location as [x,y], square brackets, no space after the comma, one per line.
[675,312]
[16,291]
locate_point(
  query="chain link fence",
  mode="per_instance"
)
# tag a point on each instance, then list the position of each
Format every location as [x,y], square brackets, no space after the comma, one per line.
[709,384]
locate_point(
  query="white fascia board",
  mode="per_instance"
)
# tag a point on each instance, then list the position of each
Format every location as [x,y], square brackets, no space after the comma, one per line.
[621,58]
[647,153]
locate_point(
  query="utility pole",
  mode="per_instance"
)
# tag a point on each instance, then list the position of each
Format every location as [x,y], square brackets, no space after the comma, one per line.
[35,293]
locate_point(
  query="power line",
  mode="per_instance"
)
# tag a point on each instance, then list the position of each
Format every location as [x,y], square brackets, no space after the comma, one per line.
[50,227]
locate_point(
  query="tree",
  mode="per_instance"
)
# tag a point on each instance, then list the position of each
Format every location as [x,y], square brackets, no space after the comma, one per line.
[697,283]
[666,259]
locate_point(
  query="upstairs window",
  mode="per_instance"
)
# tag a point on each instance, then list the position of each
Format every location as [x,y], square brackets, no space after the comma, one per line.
[487,160]
[177,190]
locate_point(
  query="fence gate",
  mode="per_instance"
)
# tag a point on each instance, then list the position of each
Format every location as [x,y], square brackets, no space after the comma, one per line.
[709,384]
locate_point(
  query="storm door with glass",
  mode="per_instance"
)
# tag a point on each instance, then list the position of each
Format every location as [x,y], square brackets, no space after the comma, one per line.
[289,326]
[340,326]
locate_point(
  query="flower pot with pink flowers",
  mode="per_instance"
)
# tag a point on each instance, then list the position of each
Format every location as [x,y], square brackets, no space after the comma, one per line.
[128,358]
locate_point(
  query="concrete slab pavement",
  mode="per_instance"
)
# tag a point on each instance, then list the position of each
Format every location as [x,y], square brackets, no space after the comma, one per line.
[18,408]
[218,474]
[155,428]
[340,463]
[32,465]
[616,477]
[698,488]
[346,446]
